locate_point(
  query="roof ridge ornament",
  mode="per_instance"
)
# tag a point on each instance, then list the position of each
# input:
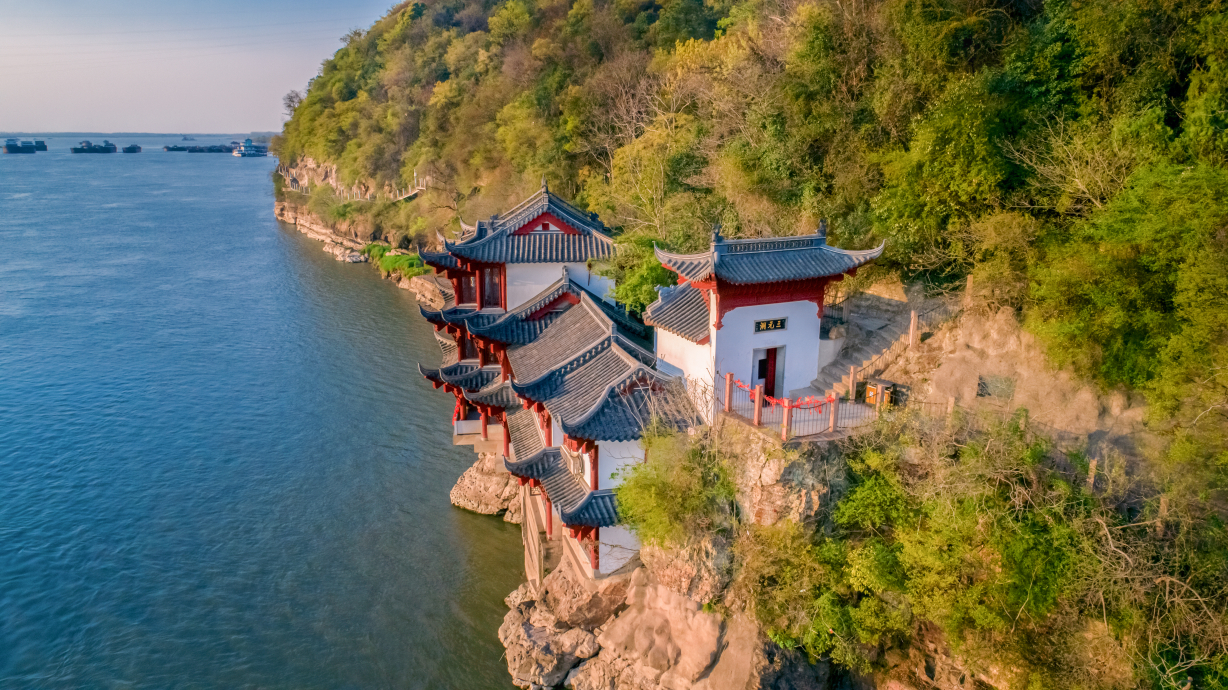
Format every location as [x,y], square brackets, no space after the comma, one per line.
[823,230]
[545,187]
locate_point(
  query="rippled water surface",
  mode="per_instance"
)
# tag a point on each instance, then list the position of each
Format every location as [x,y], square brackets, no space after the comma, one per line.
[218,464]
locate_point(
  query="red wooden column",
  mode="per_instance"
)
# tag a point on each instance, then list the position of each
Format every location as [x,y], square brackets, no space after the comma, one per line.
[507,438]
[477,286]
[549,515]
[594,558]
[758,417]
[592,469]
[485,433]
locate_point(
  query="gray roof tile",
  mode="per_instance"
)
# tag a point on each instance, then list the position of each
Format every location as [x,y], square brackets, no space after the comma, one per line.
[577,505]
[493,242]
[767,260]
[681,310]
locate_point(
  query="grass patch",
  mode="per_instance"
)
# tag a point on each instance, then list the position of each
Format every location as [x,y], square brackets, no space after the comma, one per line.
[407,265]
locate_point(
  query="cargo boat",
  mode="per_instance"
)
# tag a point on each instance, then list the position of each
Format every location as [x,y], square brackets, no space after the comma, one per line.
[40,145]
[249,150]
[15,146]
[87,147]
[132,149]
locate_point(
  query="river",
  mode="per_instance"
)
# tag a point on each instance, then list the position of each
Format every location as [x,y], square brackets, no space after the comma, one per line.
[219,466]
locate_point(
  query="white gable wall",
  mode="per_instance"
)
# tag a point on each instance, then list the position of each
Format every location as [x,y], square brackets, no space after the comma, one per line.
[526,281]
[612,456]
[616,546]
[678,356]
[736,341]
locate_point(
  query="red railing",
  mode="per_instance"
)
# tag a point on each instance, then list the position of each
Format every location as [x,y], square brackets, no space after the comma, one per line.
[806,416]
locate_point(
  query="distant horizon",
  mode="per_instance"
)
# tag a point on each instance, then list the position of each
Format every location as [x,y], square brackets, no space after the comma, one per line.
[161,66]
[50,135]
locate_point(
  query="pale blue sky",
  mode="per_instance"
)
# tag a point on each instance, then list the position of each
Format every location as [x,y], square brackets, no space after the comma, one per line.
[164,65]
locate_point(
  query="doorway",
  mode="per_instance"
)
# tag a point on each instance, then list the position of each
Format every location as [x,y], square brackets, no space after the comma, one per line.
[769,369]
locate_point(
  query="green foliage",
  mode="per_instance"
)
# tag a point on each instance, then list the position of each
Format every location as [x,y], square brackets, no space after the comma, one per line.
[684,488]
[406,265]
[976,535]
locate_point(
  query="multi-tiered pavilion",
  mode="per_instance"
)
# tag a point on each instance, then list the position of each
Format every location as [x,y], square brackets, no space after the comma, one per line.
[550,372]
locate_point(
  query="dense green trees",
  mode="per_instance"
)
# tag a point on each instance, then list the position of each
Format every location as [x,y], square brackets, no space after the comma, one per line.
[1031,144]
[1070,155]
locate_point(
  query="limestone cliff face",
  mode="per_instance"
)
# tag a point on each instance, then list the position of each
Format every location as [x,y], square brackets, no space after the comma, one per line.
[342,244]
[631,633]
[489,489]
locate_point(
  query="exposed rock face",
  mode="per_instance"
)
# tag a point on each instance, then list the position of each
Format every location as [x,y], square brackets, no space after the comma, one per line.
[488,488]
[580,602]
[547,635]
[781,483]
[426,289]
[701,570]
[666,641]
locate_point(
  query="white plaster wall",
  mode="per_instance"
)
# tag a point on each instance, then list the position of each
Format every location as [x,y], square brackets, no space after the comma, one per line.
[526,281]
[612,456]
[736,341]
[615,547]
[556,432]
[678,356]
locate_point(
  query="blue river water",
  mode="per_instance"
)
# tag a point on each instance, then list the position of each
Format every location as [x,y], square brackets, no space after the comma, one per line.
[219,467]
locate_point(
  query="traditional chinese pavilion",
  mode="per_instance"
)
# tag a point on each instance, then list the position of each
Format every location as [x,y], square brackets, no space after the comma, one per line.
[552,374]
[749,307]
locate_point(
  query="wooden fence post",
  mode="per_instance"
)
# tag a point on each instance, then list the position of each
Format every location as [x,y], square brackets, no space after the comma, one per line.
[728,391]
[912,330]
[835,408]
[852,383]
[1091,475]
[786,423]
[758,400]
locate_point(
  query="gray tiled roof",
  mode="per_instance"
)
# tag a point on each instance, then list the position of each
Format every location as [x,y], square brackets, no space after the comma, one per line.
[464,375]
[451,353]
[577,505]
[526,439]
[516,328]
[439,259]
[495,394]
[591,398]
[680,310]
[767,260]
[598,509]
[576,331]
[492,241]
[623,416]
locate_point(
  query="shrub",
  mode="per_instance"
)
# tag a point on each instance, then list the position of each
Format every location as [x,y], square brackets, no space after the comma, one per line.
[684,488]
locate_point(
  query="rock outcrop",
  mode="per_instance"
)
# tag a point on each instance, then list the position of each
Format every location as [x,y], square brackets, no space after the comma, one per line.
[489,489]
[666,641]
[774,482]
[548,634]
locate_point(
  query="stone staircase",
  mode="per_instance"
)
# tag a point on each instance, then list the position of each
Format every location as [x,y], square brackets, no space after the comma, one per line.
[879,336]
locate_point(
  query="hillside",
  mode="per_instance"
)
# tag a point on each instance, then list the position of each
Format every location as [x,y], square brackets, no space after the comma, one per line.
[1070,157]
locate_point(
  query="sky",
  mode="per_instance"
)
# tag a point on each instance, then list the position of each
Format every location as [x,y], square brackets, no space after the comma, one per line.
[164,65]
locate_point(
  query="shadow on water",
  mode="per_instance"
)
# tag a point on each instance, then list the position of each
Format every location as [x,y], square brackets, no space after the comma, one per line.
[220,467]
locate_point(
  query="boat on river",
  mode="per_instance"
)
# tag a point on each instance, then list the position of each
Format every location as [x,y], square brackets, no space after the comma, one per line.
[249,150]
[132,149]
[40,145]
[88,147]
[15,146]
